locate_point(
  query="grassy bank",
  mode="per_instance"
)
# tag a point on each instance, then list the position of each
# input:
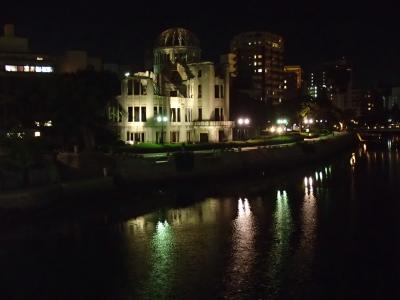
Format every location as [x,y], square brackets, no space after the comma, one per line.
[156,148]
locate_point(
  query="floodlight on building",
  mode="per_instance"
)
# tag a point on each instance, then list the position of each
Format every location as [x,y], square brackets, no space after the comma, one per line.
[240,121]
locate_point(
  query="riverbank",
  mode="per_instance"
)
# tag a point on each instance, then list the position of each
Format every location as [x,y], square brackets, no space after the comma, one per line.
[205,166]
[129,171]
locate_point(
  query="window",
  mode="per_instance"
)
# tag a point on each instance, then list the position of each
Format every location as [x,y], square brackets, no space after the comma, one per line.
[222,91]
[200,117]
[199,73]
[174,136]
[188,115]
[216,91]
[155,111]
[130,114]
[173,115]
[136,114]
[199,91]
[173,94]
[143,89]
[179,114]
[10,68]
[144,117]
[216,114]
[219,114]
[136,87]
[130,87]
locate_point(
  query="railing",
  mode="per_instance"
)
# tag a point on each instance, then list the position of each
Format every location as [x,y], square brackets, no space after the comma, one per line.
[213,123]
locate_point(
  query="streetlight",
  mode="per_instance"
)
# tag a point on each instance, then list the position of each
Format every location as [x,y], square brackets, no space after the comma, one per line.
[162,120]
[243,123]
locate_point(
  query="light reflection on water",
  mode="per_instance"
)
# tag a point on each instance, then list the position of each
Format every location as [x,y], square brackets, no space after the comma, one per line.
[278,257]
[266,246]
[243,251]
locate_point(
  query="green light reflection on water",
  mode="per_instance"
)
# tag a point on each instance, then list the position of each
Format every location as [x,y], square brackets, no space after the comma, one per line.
[159,283]
[279,252]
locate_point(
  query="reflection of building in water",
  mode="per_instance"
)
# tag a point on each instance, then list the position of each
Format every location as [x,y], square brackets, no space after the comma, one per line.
[204,212]
[244,253]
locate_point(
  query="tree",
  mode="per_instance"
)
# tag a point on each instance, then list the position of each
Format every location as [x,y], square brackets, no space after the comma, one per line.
[79,106]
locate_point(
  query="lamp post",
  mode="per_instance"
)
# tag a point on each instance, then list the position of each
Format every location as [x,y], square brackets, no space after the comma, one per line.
[307,121]
[162,120]
[243,124]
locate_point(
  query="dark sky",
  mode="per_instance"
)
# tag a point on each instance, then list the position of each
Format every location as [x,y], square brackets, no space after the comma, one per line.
[314,31]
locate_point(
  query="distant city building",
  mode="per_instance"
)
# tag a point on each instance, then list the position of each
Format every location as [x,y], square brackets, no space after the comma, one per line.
[394,98]
[259,66]
[329,79]
[16,58]
[73,61]
[292,82]
[184,99]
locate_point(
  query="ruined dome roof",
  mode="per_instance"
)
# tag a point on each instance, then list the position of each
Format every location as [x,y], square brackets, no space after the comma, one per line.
[177,37]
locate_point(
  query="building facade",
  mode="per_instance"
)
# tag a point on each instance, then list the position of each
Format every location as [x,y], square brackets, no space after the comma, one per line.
[330,79]
[259,65]
[17,59]
[292,82]
[183,99]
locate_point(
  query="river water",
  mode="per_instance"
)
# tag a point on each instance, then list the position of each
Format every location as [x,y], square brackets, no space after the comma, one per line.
[327,231]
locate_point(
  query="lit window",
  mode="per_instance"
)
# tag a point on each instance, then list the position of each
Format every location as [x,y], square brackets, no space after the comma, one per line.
[255,63]
[47,69]
[10,68]
[255,56]
[259,56]
[259,63]
[275,45]
[285,87]
[285,81]
[38,69]
[259,70]
[39,58]
[26,68]
[249,43]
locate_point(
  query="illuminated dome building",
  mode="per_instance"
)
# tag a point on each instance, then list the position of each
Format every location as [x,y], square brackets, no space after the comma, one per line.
[183,99]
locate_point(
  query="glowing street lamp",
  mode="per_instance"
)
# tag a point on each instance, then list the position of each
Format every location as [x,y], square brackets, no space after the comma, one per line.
[243,123]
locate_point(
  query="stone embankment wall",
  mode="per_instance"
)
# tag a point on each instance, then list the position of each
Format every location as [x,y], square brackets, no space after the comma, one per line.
[131,169]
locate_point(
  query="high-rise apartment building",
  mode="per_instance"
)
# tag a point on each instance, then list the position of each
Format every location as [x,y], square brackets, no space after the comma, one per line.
[330,79]
[259,64]
[292,82]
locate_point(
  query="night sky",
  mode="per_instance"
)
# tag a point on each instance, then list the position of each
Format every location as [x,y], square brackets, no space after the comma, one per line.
[313,31]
